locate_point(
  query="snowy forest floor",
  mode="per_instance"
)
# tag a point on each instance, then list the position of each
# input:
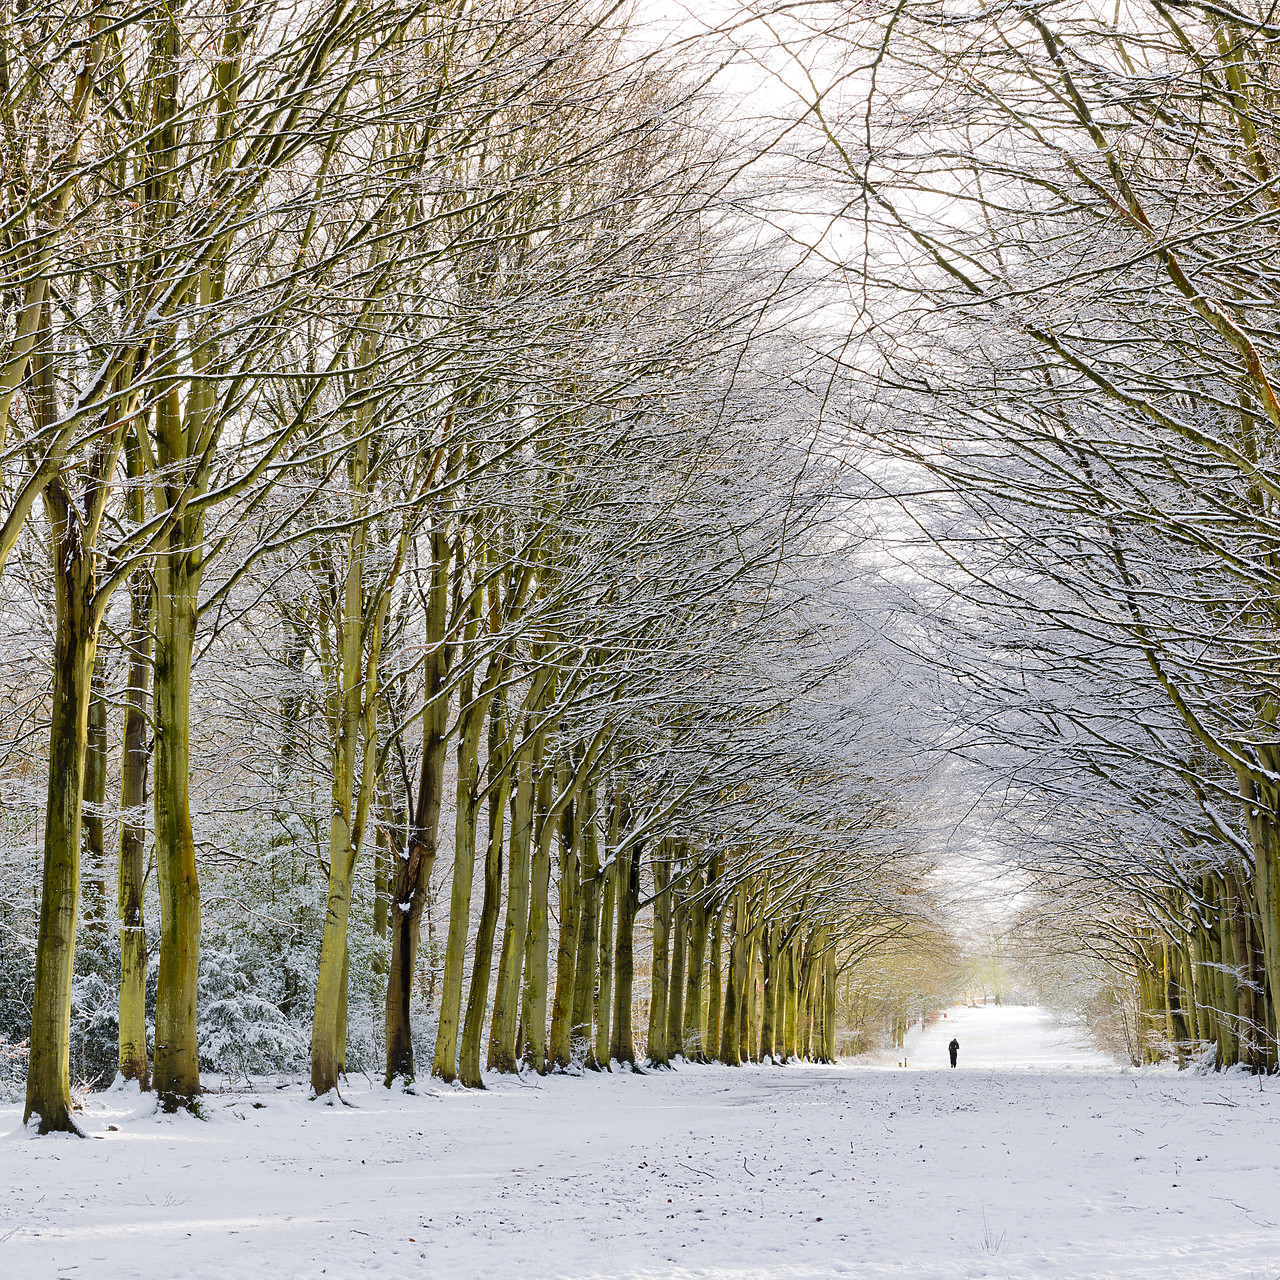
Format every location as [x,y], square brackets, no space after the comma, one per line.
[1034,1159]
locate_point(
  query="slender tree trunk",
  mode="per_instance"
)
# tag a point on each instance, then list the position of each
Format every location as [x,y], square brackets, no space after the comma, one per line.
[604,1000]
[623,1048]
[584,980]
[131,863]
[411,881]
[675,976]
[471,722]
[567,947]
[768,1001]
[533,1013]
[1246,1016]
[714,984]
[346,670]
[469,1072]
[791,1023]
[829,1007]
[747,1044]
[504,1052]
[730,1038]
[179,567]
[94,860]
[660,865]
[177,1066]
[779,979]
[695,978]
[381,883]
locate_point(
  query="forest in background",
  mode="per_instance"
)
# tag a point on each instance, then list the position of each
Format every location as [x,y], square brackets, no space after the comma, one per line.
[513,559]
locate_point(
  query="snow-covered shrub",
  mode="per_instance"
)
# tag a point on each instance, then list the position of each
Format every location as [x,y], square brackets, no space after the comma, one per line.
[239,1031]
[13,1068]
[94,1029]
[19,917]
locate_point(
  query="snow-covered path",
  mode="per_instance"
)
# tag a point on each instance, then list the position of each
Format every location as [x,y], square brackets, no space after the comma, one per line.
[748,1174]
[1011,1038]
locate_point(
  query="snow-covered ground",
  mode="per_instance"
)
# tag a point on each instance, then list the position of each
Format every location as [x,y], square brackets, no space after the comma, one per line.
[993,1170]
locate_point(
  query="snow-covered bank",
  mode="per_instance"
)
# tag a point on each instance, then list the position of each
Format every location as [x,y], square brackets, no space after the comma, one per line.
[712,1172]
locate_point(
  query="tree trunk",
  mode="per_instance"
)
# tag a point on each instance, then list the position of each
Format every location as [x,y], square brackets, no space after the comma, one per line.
[131,863]
[177,1065]
[584,979]
[622,1047]
[533,1012]
[1238,929]
[675,976]
[604,1000]
[791,1023]
[94,858]
[714,984]
[49,1065]
[660,866]
[730,1038]
[747,1044]
[695,979]
[469,1072]
[829,1007]
[411,880]
[567,946]
[471,722]
[504,1052]
[178,569]
[768,1001]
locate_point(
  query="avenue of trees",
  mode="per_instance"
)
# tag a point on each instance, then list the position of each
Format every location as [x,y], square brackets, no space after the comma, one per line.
[428,614]
[1057,225]
[509,563]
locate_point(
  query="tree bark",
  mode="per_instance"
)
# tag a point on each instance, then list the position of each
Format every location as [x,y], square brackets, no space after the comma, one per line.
[657,1053]
[504,1052]
[695,979]
[714,983]
[94,859]
[584,978]
[567,944]
[48,1098]
[533,1013]
[131,864]
[622,1047]
[469,1072]
[675,975]
[411,880]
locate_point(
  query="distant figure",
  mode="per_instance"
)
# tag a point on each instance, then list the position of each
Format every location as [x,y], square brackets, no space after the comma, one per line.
[954,1050]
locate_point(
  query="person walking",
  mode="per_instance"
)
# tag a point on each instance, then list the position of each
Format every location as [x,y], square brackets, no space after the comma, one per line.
[954,1050]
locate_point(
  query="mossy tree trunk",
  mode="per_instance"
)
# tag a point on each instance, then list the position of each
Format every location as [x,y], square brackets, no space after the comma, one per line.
[567,946]
[584,979]
[473,712]
[533,1010]
[734,993]
[608,906]
[622,1048]
[504,1052]
[74,524]
[94,860]
[658,1054]
[469,1072]
[410,881]
[715,983]
[131,861]
[675,975]
[695,979]
[48,1099]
